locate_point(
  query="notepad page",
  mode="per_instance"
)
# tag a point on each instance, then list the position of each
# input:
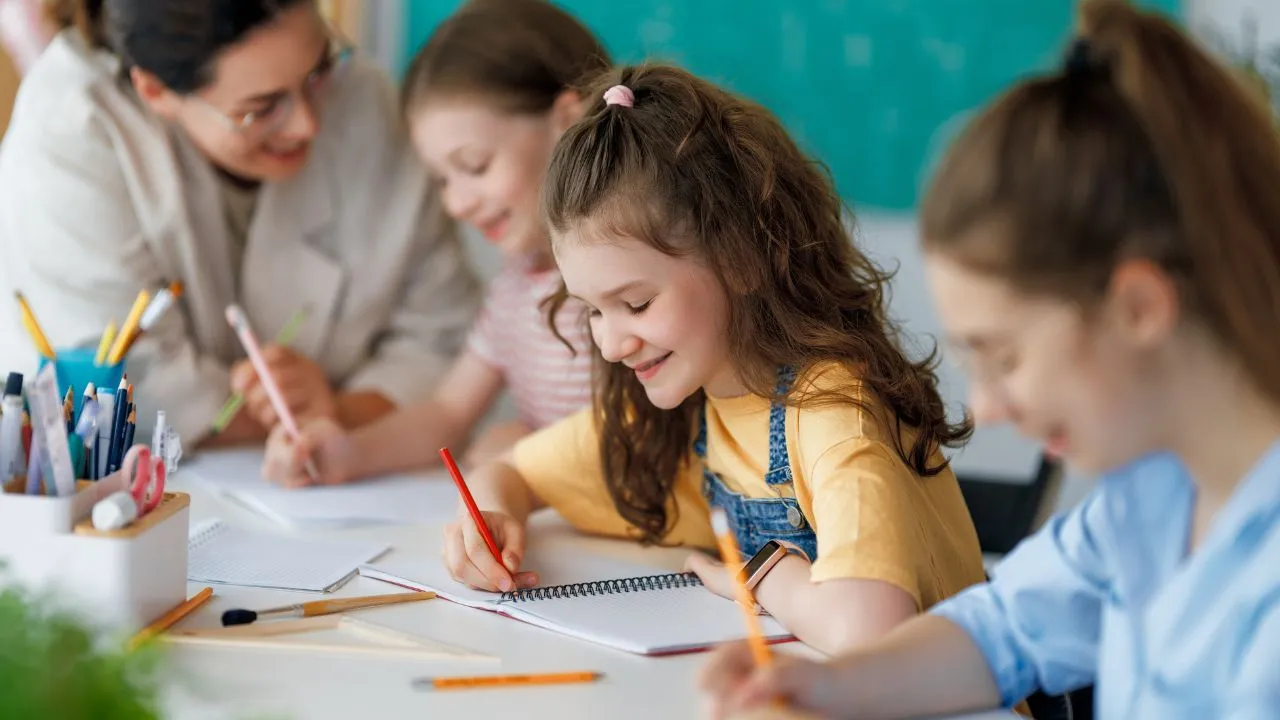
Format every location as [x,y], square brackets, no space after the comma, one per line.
[219,553]
[391,500]
[652,622]
[384,501]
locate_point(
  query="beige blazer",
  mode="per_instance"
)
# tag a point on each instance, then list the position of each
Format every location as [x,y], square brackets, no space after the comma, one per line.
[99,198]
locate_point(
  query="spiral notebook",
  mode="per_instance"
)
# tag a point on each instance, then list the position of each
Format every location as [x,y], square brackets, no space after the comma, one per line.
[222,554]
[601,601]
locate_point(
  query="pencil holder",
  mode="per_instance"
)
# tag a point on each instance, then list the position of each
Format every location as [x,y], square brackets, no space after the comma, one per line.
[121,580]
[75,369]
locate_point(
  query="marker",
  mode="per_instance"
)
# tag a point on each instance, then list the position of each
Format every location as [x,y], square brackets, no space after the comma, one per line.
[156,309]
[106,433]
[12,454]
[90,393]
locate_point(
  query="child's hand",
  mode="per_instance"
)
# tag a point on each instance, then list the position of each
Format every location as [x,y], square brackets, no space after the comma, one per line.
[736,685]
[322,441]
[468,558]
[302,382]
[715,577]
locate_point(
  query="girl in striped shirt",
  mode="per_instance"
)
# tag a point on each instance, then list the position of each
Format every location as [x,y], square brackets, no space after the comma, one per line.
[486,100]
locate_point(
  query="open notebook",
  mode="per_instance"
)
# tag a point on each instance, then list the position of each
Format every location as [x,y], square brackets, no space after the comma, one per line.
[223,554]
[392,500]
[597,599]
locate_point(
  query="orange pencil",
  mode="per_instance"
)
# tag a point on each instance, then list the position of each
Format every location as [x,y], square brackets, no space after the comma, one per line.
[491,681]
[731,556]
[171,618]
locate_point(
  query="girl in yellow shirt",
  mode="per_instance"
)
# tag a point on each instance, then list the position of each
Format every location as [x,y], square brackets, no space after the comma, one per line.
[743,360]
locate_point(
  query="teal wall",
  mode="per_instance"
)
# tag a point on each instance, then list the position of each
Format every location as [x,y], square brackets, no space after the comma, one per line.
[872,87]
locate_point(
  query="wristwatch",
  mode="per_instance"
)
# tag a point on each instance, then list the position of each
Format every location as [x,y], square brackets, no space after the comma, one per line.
[770,554]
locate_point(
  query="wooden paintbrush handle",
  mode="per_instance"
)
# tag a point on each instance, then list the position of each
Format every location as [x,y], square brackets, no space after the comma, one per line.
[325,607]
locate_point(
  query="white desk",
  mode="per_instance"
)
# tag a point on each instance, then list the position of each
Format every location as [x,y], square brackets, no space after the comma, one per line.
[223,682]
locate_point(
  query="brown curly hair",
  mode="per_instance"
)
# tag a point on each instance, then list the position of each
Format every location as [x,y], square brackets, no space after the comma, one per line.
[696,171]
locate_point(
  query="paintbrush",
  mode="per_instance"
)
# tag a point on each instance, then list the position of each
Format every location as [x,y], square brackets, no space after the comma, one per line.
[322,607]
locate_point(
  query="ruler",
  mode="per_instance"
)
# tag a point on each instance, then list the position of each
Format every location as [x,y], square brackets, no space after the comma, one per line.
[51,429]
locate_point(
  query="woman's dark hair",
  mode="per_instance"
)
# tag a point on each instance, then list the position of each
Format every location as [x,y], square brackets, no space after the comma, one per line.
[517,54]
[178,41]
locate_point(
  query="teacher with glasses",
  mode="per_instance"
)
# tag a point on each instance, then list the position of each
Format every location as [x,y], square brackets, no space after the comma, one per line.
[241,148]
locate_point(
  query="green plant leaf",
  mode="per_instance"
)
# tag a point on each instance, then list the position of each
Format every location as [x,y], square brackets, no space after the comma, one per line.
[55,665]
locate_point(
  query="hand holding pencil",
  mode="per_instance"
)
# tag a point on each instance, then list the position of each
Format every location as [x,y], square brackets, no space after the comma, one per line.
[484,548]
[746,675]
[322,441]
[283,338]
[303,385]
[240,323]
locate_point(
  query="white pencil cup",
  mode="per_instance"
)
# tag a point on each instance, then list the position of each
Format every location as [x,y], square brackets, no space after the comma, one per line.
[120,580]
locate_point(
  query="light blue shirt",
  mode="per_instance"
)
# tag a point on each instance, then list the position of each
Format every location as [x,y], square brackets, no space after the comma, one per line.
[1108,595]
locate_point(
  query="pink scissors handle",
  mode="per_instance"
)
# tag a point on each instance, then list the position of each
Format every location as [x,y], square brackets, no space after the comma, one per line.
[147,485]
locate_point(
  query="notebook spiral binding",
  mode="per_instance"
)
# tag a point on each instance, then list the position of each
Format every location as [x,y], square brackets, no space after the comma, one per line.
[604,587]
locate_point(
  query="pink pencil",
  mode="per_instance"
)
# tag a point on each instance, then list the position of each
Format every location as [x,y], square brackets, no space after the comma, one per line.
[240,323]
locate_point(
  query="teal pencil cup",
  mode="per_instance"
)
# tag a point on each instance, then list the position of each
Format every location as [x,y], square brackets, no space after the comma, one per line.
[74,368]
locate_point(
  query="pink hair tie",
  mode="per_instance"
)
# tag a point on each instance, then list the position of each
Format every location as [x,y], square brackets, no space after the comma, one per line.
[620,95]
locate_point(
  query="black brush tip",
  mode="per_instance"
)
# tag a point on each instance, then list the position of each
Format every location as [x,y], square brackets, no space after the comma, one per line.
[238,617]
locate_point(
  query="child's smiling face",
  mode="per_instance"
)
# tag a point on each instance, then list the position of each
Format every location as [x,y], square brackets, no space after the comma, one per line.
[490,166]
[1091,387]
[665,317]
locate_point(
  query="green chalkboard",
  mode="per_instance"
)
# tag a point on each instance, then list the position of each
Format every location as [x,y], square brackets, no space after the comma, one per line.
[874,88]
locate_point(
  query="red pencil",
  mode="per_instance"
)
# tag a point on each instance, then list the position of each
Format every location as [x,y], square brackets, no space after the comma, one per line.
[470,502]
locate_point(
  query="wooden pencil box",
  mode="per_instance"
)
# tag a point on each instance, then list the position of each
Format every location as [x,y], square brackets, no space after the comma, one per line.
[119,580]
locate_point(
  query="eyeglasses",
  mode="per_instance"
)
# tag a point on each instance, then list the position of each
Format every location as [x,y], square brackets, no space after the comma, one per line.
[269,120]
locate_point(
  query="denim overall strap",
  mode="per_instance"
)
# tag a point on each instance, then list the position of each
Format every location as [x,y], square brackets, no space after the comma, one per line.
[755,521]
[779,472]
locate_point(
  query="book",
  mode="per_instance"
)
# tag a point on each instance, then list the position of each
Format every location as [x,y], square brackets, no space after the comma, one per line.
[599,600]
[221,554]
[393,500]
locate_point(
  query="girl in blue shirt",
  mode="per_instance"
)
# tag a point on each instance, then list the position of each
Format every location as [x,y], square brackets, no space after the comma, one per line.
[1103,245]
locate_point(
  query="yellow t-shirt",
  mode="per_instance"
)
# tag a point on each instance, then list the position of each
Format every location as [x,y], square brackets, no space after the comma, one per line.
[873,516]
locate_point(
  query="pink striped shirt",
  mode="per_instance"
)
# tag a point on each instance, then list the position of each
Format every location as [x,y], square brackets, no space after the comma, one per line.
[546,380]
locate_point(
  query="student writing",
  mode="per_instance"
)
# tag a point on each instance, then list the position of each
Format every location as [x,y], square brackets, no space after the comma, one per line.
[744,361]
[486,99]
[244,149]
[1104,246]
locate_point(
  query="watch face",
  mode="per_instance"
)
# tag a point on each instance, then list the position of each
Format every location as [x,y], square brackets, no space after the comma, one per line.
[758,560]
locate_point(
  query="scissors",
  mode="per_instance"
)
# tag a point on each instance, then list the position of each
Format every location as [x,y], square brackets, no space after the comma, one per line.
[145,476]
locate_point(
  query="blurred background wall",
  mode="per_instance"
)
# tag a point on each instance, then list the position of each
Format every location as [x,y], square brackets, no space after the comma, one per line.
[875,88]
